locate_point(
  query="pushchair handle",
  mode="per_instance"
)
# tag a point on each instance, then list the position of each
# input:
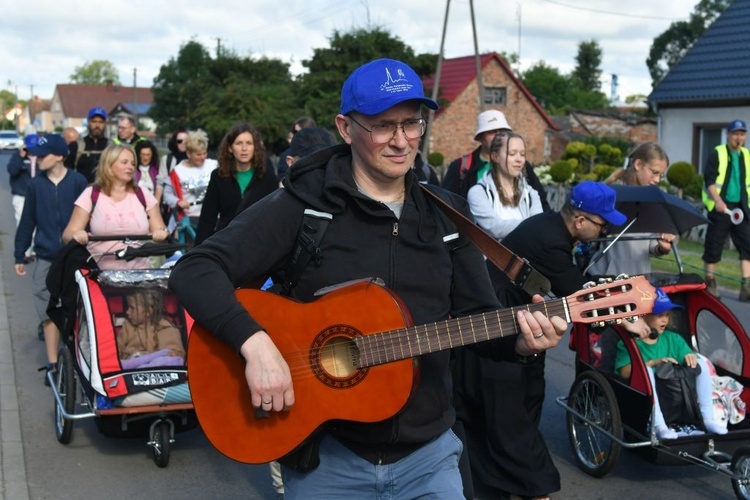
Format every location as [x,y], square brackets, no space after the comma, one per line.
[131,237]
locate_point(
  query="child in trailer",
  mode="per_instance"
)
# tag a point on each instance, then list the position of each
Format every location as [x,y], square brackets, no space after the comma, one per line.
[147,339]
[666,346]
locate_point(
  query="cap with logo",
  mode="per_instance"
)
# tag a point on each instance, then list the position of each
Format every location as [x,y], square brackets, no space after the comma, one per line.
[491,119]
[379,85]
[736,125]
[597,198]
[50,145]
[97,111]
[662,303]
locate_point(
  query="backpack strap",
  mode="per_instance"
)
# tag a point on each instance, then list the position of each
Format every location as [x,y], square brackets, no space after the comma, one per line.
[465,166]
[307,248]
[96,191]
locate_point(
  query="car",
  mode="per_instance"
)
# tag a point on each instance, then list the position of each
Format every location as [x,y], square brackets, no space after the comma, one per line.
[10,139]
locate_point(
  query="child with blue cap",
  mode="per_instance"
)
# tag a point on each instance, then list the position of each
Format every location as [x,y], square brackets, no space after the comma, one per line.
[667,346]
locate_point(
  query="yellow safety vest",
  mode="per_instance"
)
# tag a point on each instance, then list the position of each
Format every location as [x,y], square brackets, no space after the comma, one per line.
[723,153]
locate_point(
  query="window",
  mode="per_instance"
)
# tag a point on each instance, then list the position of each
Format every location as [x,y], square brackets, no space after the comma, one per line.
[497,96]
[709,136]
[718,342]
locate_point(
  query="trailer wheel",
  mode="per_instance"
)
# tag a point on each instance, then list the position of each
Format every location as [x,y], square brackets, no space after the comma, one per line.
[741,467]
[592,397]
[65,384]
[161,440]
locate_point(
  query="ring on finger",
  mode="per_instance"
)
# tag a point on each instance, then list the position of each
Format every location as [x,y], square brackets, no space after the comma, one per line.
[541,334]
[266,402]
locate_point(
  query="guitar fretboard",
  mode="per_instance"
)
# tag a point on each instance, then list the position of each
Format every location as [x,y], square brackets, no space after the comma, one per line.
[395,345]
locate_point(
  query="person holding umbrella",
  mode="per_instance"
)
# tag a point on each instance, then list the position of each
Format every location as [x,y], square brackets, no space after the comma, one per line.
[726,196]
[646,166]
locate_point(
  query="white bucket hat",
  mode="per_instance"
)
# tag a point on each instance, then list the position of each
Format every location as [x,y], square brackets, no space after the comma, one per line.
[491,119]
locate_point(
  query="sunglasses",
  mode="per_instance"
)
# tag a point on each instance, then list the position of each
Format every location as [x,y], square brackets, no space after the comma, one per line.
[179,141]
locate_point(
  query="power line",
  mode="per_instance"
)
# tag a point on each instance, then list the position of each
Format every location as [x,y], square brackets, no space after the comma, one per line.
[609,12]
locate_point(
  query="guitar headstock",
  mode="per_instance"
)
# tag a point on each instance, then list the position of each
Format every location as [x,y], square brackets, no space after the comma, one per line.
[612,301]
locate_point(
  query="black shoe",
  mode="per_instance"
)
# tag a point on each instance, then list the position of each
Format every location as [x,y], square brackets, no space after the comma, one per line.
[40,331]
[50,368]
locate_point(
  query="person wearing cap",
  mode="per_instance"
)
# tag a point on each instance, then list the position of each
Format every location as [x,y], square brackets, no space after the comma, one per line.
[243,176]
[500,404]
[300,123]
[466,171]
[382,226]
[21,168]
[664,347]
[48,207]
[726,189]
[86,151]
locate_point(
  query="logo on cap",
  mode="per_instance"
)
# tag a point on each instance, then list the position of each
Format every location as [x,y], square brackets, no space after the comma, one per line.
[392,85]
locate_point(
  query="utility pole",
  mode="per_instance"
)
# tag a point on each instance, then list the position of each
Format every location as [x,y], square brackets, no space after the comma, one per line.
[135,97]
[218,47]
[480,85]
[435,85]
[518,17]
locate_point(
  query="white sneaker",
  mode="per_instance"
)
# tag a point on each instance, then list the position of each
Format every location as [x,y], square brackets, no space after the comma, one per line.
[666,433]
[714,428]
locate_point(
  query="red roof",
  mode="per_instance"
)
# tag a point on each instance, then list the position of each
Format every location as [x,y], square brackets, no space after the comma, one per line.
[456,74]
[76,100]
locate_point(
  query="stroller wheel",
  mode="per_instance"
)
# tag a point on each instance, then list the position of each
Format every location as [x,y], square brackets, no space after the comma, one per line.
[161,441]
[592,397]
[65,386]
[741,467]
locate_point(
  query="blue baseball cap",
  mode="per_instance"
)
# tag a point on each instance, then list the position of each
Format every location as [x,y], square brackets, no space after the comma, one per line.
[597,198]
[97,111]
[736,125]
[30,141]
[662,303]
[379,85]
[50,145]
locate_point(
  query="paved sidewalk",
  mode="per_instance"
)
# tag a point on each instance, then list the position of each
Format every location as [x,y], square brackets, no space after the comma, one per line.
[13,484]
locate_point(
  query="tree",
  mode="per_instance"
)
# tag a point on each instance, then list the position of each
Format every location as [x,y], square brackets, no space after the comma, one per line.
[7,99]
[320,88]
[672,45]
[97,72]
[195,90]
[588,68]
[557,93]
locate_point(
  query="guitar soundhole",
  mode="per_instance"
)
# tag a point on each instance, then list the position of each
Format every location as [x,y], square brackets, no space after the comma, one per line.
[334,357]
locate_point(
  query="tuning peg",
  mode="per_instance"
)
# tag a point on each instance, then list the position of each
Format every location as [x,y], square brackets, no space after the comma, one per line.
[622,277]
[589,284]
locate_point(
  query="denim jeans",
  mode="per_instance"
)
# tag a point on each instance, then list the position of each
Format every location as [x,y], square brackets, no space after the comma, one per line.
[431,472]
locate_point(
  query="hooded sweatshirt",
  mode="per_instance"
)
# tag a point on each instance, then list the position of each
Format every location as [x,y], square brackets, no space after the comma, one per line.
[363,240]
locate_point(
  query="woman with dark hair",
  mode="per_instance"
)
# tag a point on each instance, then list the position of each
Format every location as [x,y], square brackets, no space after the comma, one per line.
[177,151]
[147,175]
[243,176]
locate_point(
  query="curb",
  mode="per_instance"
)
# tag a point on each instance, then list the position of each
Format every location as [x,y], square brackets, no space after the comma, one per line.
[13,484]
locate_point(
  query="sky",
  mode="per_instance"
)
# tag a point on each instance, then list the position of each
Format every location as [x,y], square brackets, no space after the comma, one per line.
[43,42]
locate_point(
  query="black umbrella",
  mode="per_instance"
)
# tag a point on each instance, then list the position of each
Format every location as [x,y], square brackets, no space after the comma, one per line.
[655,211]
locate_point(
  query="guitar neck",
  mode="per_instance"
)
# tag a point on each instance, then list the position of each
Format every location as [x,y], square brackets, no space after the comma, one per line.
[395,345]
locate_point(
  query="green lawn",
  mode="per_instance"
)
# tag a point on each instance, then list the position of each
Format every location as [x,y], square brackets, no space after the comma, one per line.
[727,271]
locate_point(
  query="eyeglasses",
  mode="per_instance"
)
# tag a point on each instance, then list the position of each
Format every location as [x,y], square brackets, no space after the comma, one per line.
[601,225]
[382,134]
[179,141]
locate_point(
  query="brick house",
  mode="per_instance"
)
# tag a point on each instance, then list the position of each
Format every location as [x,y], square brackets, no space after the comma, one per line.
[453,127]
[71,103]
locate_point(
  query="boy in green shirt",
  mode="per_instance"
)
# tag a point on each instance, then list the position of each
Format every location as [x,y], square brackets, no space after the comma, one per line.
[669,347]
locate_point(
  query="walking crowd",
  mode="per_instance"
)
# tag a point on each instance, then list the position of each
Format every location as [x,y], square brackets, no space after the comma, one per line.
[471,426]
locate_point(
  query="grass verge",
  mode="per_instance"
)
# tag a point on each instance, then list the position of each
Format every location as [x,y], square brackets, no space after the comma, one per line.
[728,273]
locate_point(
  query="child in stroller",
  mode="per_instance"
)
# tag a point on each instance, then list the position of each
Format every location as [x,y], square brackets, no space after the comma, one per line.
[666,346]
[147,339]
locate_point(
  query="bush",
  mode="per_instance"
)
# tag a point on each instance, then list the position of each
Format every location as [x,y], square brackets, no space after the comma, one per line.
[681,174]
[561,171]
[436,159]
[695,188]
[603,171]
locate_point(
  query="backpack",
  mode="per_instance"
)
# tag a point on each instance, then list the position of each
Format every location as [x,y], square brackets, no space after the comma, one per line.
[81,150]
[678,396]
[465,166]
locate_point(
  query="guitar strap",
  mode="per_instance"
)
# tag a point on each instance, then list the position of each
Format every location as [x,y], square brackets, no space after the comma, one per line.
[518,270]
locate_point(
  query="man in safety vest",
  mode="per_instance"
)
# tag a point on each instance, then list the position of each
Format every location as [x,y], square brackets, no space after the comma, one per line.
[727,196]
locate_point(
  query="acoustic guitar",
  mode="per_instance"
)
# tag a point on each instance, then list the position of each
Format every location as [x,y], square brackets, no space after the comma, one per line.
[353,356]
